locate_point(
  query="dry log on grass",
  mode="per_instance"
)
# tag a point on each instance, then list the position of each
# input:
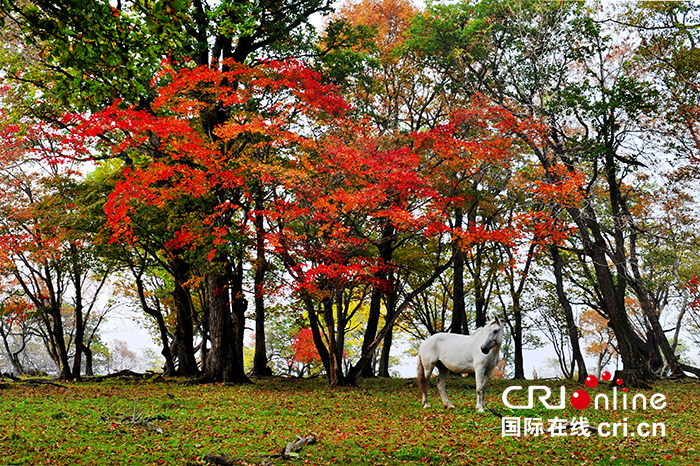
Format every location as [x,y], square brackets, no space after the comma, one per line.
[293,448]
[125,374]
[290,451]
[40,382]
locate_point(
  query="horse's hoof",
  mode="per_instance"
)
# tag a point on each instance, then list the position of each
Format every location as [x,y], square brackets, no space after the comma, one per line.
[450,406]
[426,406]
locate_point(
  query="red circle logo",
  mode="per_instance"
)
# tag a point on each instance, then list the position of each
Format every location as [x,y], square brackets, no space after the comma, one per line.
[580,399]
[591,381]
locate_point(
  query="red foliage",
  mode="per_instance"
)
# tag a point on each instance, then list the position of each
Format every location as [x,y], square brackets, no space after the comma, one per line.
[693,289]
[176,159]
[304,348]
[16,309]
[335,184]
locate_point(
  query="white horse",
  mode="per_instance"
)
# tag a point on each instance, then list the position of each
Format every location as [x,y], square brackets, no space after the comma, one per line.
[477,354]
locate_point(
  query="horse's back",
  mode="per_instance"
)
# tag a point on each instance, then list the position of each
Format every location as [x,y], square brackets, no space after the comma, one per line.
[453,350]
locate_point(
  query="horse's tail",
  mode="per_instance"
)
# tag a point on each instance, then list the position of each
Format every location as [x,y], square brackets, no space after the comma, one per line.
[421,375]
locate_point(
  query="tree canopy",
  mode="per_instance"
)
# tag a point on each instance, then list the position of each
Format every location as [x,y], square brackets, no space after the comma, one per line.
[400,171]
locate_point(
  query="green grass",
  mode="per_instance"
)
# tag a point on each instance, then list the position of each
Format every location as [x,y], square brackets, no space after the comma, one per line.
[381,422]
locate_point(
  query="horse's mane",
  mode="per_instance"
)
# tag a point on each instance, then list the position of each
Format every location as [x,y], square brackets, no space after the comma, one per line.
[482,329]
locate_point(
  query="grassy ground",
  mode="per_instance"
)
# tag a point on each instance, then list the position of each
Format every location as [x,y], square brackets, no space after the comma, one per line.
[380,422]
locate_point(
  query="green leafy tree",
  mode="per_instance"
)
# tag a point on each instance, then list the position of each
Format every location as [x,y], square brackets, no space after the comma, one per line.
[554,63]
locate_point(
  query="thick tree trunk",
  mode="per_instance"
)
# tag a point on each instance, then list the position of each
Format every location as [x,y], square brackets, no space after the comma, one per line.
[61,352]
[238,307]
[223,364]
[611,289]
[612,299]
[89,372]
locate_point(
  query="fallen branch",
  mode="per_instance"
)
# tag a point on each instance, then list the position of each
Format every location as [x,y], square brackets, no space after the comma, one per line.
[496,413]
[136,418]
[293,448]
[691,369]
[123,374]
[40,382]
[290,451]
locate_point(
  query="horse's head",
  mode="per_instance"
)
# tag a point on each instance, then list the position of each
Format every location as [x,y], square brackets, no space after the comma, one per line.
[494,336]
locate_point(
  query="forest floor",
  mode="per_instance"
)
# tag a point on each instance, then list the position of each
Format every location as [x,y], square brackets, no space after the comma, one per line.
[379,422]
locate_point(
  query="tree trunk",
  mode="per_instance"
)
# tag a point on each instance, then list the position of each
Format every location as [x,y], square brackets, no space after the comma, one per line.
[335,366]
[79,337]
[518,359]
[366,356]
[516,292]
[89,372]
[223,363]
[386,252]
[568,311]
[160,321]
[386,345]
[165,351]
[341,323]
[375,306]
[64,371]
[316,332]
[77,312]
[260,367]
[238,306]
[650,312]
[184,339]
[459,315]
[611,290]
[386,353]
[13,355]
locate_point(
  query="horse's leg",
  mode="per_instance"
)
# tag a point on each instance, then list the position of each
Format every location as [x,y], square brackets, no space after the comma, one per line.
[423,377]
[481,379]
[442,379]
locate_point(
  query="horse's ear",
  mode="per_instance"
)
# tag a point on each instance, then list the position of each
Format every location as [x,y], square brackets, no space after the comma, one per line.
[496,321]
